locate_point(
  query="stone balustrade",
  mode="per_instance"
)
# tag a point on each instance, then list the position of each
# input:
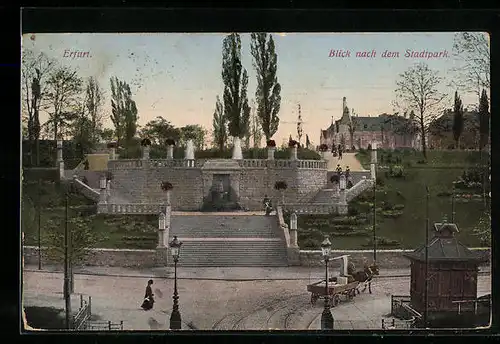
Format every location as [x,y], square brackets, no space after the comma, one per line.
[86,190]
[198,163]
[357,189]
[311,208]
[124,164]
[133,208]
[193,163]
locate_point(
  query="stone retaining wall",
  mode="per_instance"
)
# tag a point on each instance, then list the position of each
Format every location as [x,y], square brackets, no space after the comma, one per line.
[386,259]
[108,257]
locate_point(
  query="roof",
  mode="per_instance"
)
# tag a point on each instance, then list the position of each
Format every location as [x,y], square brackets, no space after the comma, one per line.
[444,246]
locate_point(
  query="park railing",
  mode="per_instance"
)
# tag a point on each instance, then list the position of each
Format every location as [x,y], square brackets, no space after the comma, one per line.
[86,190]
[102,325]
[311,208]
[395,324]
[83,315]
[132,208]
[356,190]
[401,308]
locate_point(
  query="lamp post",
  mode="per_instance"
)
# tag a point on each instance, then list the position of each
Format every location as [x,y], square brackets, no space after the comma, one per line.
[67,294]
[374,222]
[38,215]
[326,316]
[426,285]
[453,204]
[175,317]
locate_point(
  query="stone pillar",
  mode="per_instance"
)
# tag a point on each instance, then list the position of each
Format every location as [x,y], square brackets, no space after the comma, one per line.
[235,185]
[60,161]
[189,153]
[103,191]
[145,152]
[342,196]
[270,153]
[170,152]
[373,164]
[237,153]
[293,153]
[169,193]
[112,153]
[161,230]
[293,230]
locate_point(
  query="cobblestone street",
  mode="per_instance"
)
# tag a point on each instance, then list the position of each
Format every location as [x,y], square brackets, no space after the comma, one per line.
[217,304]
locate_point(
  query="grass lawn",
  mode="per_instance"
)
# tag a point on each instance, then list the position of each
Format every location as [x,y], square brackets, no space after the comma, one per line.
[114,231]
[401,213]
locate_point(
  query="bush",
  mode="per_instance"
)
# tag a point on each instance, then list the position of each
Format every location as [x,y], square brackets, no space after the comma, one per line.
[422,162]
[392,213]
[396,171]
[45,174]
[352,211]
[380,181]
[444,194]
[383,242]
[398,207]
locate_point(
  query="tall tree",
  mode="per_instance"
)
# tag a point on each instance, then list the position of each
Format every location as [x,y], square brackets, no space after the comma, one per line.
[64,90]
[193,132]
[473,49]
[458,119]
[94,100]
[308,143]
[484,120]
[35,70]
[265,62]
[417,89]
[124,110]
[256,127]
[159,130]
[219,126]
[235,79]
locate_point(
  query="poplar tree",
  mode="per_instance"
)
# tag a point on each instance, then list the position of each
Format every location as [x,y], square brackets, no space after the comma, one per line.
[458,119]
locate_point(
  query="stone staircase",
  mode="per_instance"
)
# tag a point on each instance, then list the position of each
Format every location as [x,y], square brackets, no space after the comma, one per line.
[212,240]
[326,196]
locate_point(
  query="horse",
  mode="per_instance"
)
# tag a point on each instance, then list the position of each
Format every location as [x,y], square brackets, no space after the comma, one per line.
[366,276]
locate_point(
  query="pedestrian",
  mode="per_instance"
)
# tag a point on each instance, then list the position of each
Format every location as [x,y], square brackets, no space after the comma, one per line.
[340,152]
[86,164]
[148,302]
[339,170]
[347,171]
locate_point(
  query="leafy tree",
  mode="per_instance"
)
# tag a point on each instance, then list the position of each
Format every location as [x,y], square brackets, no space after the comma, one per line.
[35,71]
[235,79]
[483,228]
[64,89]
[193,132]
[268,90]
[458,119]
[417,90]
[107,134]
[219,126]
[473,49]
[159,130]
[82,237]
[94,100]
[124,111]
[484,120]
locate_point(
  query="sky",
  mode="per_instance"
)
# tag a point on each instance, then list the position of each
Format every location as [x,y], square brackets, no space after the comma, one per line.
[178,75]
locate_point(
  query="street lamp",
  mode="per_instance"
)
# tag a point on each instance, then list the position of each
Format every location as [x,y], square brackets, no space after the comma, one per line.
[175,317]
[326,316]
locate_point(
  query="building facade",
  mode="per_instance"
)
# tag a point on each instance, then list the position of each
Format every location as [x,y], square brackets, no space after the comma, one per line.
[387,131]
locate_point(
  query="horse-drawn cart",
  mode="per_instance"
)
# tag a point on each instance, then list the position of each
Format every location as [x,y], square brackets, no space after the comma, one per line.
[335,291]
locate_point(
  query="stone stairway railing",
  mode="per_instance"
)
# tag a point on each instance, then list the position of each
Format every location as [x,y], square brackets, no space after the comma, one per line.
[131,208]
[311,208]
[86,190]
[357,189]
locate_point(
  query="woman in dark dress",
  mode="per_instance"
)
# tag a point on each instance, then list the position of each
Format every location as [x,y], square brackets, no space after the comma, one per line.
[148,297]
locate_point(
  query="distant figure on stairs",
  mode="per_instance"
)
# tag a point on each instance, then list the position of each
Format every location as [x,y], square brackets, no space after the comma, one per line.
[267,204]
[340,152]
[86,164]
[347,171]
[148,302]
[339,170]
